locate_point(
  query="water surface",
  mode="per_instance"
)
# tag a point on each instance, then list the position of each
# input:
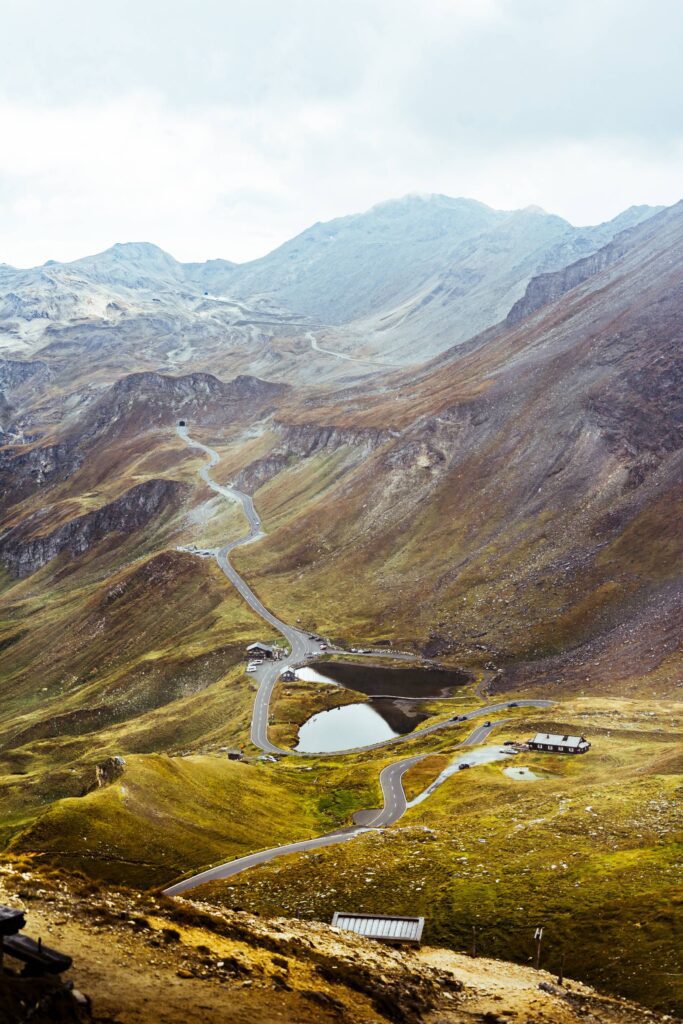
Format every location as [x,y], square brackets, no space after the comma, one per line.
[522,774]
[352,725]
[472,757]
[382,680]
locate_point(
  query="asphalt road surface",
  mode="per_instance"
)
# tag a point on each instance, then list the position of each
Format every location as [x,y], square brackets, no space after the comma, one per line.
[394,807]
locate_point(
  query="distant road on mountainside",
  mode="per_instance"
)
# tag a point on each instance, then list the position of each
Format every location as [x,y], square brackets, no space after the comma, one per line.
[303,648]
[343,355]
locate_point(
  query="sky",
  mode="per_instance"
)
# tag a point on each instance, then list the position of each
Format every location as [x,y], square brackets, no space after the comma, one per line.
[220,129]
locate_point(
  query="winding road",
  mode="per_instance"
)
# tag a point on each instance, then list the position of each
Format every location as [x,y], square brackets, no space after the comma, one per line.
[343,355]
[304,649]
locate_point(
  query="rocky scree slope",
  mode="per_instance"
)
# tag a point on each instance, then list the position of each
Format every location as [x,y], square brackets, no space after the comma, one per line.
[131,308]
[416,275]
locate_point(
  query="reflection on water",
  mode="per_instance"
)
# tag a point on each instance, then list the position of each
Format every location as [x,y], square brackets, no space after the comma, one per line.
[395,707]
[353,725]
[380,680]
[311,675]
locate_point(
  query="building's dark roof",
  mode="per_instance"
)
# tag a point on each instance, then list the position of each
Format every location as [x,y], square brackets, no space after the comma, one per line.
[377,926]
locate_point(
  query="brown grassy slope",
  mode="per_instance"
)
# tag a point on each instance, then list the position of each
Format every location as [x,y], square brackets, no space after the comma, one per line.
[213,967]
[166,814]
[532,505]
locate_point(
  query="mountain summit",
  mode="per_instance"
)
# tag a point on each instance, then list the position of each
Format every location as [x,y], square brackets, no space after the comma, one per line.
[405,280]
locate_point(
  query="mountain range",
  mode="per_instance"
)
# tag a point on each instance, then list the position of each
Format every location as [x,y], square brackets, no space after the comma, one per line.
[404,280]
[457,433]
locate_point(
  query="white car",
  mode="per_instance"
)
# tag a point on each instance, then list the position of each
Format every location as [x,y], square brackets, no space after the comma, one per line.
[252,666]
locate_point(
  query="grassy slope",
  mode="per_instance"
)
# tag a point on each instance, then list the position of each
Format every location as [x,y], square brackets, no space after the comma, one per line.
[132,647]
[493,547]
[590,853]
[165,814]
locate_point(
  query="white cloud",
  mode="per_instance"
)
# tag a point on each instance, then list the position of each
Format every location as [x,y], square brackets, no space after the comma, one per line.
[223,133]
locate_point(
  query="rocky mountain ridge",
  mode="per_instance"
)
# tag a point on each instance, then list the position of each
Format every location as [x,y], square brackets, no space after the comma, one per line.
[414,275]
[146,400]
[598,366]
[25,548]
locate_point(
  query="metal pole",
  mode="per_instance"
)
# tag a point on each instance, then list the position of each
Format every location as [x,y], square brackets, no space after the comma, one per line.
[538,935]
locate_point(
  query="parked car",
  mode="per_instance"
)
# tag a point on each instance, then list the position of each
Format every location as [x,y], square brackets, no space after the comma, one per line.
[508,743]
[252,666]
[463,764]
[323,647]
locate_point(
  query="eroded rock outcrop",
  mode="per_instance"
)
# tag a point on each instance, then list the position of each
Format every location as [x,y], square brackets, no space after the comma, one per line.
[16,372]
[24,470]
[23,551]
[146,400]
[545,288]
[301,441]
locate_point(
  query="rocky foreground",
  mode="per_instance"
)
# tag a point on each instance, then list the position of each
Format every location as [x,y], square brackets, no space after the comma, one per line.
[140,958]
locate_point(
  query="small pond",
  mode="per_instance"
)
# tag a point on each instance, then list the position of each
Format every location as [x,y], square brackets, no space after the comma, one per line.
[383,681]
[352,725]
[394,708]
[471,757]
[522,774]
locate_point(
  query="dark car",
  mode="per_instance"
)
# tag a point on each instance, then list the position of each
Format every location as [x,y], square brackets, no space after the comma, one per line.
[458,718]
[514,704]
[463,764]
[487,725]
[508,743]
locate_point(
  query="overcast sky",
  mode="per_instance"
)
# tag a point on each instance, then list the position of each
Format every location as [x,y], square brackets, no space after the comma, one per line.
[222,128]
